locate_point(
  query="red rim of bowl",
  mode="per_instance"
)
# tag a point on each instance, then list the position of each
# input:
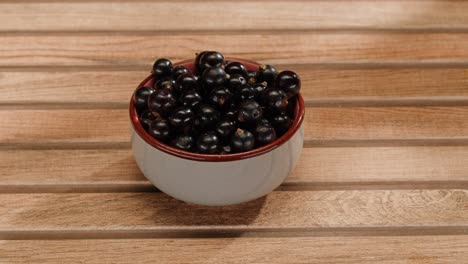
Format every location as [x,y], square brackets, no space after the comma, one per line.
[299,112]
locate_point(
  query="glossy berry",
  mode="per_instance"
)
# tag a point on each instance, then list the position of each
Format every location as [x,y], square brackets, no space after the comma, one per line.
[267,73]
[140,100]
[281,122]
[211,59]
[264,134]
[264,121]
[179,71]
[227,149]
[161,102]
[220,97]
[289,82]
[196,63]
[275,100]
[244,92]
[165,83]
[184,142]
[186,82]
[146,119]
[242,140]
[236,68]
[249,112]
[231,111]
[236,81]
[160,130]
[191,99]
[162,68]
[252,77]
[259,89]
[182,119]
[207,116]
[225,128]
[208,143]
[213,77]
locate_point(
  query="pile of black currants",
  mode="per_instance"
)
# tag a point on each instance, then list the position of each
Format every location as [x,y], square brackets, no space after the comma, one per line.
[220,108]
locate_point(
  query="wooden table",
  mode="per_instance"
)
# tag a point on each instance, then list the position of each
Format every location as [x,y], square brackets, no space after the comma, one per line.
[383,176]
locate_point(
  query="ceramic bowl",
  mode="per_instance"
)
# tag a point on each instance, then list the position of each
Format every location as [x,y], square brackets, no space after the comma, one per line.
[217,179]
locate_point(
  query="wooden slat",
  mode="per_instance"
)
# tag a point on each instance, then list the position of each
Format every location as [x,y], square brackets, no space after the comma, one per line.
[405,249]
[317,84]
[328,123]
[69,87]
[71,126]
[157,212]
[116,168]
[188,15]
[286,48]
[379,123]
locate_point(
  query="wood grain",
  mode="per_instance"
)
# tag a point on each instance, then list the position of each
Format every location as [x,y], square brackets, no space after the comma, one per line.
[321,124]
[317,84]
[133,50]
[72,126]
[157,212]
[379,123]
[112,170]
[246,15]
[405,249]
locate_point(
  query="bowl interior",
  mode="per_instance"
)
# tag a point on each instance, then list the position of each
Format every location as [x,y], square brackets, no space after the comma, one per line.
[250,65]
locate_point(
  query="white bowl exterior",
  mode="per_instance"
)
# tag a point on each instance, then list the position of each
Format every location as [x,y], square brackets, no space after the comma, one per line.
[217,183]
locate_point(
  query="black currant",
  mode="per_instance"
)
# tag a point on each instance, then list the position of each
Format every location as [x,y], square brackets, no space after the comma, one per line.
[259,89]
[165,83]
[226,149]
[252,77]
[267,73]
[244,92]
[162,102]
[140,100]
[275,99]
[160,130]
[225,128]
[236,68]
[182,119]
[207,116]
[242,140]
[211,59]
[179,71]
[231,111]
[236,81]
[264,121]
[186,82]
[208,143]
[146,119]
[281,122]
[220,97]
[185,142]
[250,112]
[289,82]
[197,64]
[264,134]
[213,77]
[191,99]
[162,68]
